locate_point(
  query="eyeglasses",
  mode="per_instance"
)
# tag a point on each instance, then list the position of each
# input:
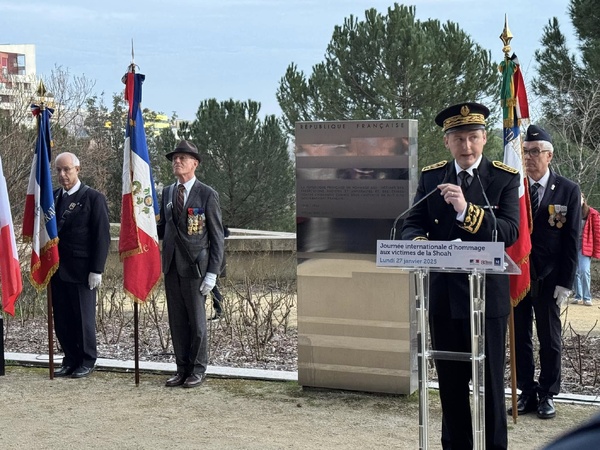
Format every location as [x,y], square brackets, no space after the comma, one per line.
[535,152]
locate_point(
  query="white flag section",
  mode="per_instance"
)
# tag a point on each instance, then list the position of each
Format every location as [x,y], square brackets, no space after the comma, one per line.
[10,270]
[138,239]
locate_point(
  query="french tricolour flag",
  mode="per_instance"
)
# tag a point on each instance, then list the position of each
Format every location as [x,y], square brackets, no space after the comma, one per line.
[10,270]
[39,221]
[138,241]
[516,110]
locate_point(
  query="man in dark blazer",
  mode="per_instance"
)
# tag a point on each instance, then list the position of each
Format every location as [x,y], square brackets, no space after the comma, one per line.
[191,228]
[556,209]
[459,211]
[84,240]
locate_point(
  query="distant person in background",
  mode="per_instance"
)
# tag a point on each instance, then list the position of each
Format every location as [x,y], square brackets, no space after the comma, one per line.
[217,297]
[589,247]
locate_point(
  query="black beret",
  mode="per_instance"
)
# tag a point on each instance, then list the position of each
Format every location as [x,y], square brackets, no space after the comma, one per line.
[464,116]
[535,133]
[184,147]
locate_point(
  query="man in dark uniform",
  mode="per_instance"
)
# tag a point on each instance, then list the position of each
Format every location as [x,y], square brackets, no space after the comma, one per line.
[84,240]
[556,210]
[459,212]
[191,228]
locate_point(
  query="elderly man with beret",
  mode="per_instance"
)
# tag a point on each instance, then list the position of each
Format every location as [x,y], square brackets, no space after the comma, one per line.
[459,213]
[556,211]
[191,228]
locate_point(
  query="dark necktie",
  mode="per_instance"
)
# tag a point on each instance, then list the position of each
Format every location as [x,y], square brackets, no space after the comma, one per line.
[180,199]
[465,180]
[61,204]
[535,200]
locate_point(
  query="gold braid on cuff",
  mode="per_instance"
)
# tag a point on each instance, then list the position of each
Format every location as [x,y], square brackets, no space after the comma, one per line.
[473,219]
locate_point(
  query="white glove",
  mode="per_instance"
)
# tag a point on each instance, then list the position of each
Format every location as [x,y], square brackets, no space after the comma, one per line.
[208,283]
[94,280]
[561,294]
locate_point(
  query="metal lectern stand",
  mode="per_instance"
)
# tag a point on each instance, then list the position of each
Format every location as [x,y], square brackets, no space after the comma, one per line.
[476,356]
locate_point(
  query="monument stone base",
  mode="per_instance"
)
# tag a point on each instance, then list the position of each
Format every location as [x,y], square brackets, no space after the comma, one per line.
[355,333]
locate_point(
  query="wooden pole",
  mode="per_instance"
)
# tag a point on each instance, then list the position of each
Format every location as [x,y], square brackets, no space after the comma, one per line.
[2,362]
[513,363]
[506,37]
[50,333]
[136,343]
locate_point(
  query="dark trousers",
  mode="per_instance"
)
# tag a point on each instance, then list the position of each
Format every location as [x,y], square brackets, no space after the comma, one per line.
[187,320]
[454,376]
[548,326]
[74,307]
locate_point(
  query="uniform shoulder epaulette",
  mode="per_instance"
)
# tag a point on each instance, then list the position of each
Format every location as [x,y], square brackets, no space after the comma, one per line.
[501,165]
[437,165]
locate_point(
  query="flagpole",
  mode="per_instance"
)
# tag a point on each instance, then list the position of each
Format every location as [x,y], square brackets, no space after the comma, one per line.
[138,237]
[506,37]
[136,340]
[41,91]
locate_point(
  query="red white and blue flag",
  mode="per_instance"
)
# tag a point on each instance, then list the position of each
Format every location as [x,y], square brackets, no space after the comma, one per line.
[10,270]
[39,221]
[515,111]
[138,241]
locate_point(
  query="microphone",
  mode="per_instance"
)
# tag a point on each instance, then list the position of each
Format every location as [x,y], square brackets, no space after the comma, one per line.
[489,207]
[410,208]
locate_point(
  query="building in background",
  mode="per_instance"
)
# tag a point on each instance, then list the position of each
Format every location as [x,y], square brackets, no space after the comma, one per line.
[17,77]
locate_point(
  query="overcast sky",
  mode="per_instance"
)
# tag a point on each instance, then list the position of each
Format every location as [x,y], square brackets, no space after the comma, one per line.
[192,50]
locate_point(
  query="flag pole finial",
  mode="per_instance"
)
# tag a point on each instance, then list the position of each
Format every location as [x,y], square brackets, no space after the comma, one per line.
[132,65]
[41,91]
[506,37]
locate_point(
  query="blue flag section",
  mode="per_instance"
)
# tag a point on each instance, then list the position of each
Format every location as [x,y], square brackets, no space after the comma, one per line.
[39,223]
[138,241]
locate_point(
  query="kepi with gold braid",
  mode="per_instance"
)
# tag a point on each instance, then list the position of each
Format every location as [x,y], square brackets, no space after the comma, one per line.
[464,116]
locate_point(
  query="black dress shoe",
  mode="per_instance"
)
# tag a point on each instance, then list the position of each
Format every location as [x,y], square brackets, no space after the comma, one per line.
[82,372]
[64,371]
[546,408]
[194,380]
[216,315]
[176,380]
[525,404]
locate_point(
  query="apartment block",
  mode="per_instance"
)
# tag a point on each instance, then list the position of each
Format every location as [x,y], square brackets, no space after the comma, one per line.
[17,77]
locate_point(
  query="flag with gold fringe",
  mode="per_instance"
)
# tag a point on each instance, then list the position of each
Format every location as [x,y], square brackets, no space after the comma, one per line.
[39,220]
[515,112]
[138,240]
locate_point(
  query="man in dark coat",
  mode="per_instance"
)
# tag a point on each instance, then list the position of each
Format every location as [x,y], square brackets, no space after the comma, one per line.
[458,211]
[556,209]
[191,228]
[84,240]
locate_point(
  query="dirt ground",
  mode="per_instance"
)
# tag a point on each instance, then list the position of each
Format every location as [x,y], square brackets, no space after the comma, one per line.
[108,411]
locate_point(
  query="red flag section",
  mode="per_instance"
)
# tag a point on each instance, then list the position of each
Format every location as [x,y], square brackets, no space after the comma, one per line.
[10,270]
[39,222]
[138,240]
[515,110]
